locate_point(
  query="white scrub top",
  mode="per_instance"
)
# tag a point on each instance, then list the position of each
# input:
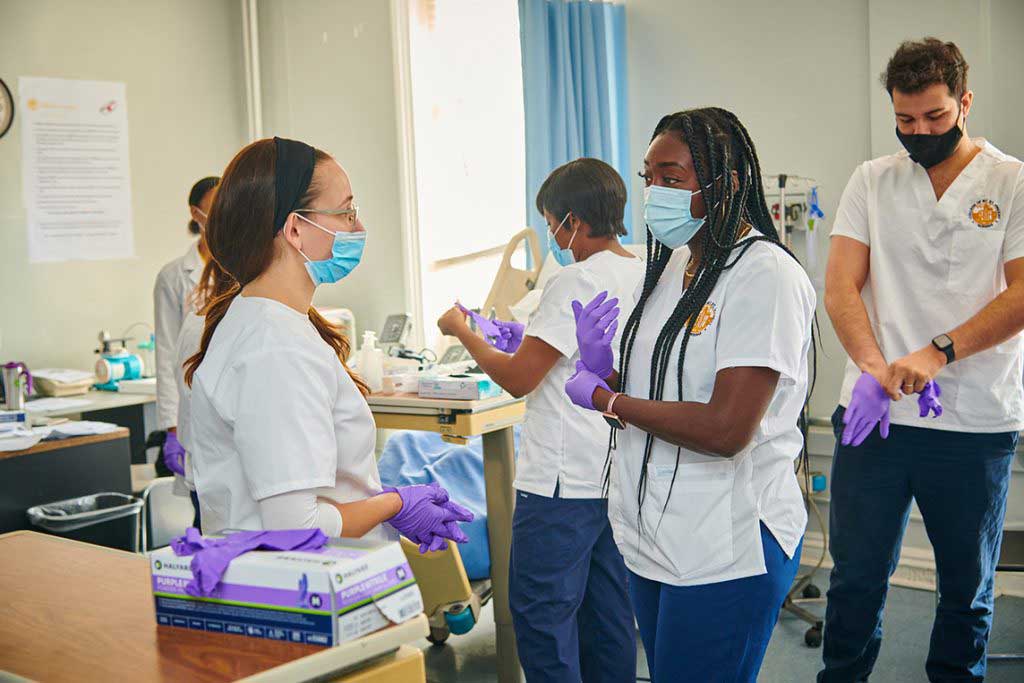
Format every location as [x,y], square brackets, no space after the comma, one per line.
[933,265]
[758,315]
[188,344]
[174,286]
[273,411]
[561,443]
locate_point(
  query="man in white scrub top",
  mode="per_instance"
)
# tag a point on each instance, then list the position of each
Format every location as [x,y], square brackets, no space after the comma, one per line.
[925,282]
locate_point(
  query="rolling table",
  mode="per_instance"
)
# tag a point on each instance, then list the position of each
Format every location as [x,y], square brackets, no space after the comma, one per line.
[75,611]
[126,410]
[456,421]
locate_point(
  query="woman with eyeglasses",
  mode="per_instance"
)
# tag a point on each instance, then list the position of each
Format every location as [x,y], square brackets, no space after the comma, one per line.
[281,432]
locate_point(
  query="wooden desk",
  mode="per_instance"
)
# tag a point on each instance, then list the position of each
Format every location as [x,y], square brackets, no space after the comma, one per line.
[126,410]
[68,468]
[494,419]
[74,612]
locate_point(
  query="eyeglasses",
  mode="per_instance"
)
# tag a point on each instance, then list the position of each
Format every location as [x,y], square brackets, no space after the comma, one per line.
[351,215]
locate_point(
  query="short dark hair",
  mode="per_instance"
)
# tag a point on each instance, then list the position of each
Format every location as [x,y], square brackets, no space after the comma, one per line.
[196,195]
[919,64]
[591,190]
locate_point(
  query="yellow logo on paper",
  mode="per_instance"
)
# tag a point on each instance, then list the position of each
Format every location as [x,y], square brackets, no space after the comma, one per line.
[704,318]
[33,103]
[985,213]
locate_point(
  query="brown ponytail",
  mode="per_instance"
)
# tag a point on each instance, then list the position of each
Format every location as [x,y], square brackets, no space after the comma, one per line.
[240,233]
[331,334]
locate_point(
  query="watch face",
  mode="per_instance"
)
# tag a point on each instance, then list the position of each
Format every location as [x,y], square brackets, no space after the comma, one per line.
[6,109]
[613,421]
[943,341]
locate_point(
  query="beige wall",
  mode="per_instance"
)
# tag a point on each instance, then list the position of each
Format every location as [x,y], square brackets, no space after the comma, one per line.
[328,80]
[182,63]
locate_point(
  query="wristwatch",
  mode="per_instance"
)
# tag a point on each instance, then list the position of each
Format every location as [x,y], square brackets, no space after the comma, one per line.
[609,415]
[945,344]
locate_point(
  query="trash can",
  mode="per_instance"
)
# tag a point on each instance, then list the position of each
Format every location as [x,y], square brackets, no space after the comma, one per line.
[108,519]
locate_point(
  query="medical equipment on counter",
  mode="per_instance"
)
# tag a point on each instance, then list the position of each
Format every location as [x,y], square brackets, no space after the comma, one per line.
[475,387]
[396,329]
[115,363]
[17,384]
[147,351]
[371,362]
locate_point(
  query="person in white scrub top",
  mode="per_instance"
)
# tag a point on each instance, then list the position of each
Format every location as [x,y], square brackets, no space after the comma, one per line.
[172,295]
[567,585]
[713,376]
[925,286]
[213,284]
[281,434]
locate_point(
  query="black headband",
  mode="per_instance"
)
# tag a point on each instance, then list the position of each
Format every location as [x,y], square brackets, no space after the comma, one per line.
[293,172]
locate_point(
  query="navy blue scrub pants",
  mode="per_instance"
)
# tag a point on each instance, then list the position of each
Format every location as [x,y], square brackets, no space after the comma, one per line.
[960,482]
[717,631]
[567,591]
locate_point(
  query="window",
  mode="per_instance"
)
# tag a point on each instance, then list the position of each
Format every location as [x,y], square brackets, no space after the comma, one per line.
[464,148]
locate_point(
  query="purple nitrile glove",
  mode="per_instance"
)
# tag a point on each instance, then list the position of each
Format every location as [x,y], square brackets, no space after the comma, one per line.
[595,329]
[581,386]
[211,556]
[511,335]
[427,513]
[502,335]
[869,406]
[174,454]
[928,400]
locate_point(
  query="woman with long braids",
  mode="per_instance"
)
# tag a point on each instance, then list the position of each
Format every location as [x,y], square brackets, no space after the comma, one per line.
[713,373]
[280,430]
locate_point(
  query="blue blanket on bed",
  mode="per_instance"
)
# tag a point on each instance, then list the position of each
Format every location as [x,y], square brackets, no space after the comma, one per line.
[422,457]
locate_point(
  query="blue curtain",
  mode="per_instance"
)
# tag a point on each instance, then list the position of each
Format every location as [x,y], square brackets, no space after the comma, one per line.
[574,83]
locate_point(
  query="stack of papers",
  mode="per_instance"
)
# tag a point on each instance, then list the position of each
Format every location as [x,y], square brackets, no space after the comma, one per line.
[64,376]
[45,405]
[19,439]
[22,437]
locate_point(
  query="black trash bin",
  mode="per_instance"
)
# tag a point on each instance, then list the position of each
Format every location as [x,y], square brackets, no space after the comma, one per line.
[109,519]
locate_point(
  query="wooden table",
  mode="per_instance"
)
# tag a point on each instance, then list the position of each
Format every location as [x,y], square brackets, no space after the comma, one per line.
[125,410]
[494,419]
[75,612]
[68,468]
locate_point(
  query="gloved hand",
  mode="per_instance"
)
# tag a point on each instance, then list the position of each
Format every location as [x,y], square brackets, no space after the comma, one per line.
[869,406]
[511,335]
[595,329]
[211,556]
[428,517]
[581,386]
[502,335]
[928,399]
[174,454]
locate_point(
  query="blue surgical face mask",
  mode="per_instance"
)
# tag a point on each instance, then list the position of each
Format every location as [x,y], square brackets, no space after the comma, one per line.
[564,257]
[668,217]
[346,253]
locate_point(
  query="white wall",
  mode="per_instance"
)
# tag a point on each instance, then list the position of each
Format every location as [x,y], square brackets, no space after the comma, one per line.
[328,80]
[182,63]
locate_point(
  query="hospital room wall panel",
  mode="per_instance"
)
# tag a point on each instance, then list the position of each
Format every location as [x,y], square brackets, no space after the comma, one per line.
[328,79]
[182,64]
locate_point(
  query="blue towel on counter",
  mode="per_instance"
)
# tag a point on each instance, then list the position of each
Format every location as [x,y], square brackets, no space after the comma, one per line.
[422,457]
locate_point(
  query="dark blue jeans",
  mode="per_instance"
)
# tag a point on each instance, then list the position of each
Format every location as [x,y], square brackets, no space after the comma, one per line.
[568,592]
[960,482]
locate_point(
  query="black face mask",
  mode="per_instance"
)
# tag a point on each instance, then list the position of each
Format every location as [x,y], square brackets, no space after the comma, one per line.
[929,150]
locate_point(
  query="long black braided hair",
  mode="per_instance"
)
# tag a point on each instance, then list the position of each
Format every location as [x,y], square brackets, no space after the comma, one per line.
[720,146]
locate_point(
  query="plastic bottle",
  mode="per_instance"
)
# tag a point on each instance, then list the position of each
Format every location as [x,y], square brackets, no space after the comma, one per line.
[371,362]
